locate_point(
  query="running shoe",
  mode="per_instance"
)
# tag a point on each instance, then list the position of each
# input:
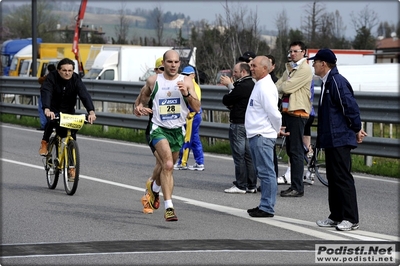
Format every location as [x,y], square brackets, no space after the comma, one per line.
[284,180]
[180,167]
[235,190]
[170,215]
[154,197]
[196,167]
[327,223]
[347,226]
[146,206]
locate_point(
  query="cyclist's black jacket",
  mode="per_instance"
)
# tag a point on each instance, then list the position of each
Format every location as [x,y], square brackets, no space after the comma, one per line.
[59,95]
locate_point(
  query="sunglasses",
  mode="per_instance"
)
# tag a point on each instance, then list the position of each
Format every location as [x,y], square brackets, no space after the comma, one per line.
[161,68]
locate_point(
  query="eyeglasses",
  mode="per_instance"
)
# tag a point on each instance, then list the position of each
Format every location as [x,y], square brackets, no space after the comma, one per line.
[295,51]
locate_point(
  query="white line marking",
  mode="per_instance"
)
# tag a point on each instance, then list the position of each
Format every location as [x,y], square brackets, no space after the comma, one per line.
[162,252]
[278,221]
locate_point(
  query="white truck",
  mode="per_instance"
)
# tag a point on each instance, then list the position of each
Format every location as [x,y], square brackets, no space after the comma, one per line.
[130,63]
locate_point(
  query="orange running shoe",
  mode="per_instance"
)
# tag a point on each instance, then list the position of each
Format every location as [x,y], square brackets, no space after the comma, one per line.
[146,206]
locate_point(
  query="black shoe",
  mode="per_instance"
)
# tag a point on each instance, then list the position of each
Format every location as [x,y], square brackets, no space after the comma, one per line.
[259,189]
[252,210]
[260,213]
[291,193]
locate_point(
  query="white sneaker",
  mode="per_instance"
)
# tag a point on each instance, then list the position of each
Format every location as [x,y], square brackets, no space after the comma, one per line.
[284,180]
[347,226]
[236,190]
[196,167]
[308,178]
[180,167]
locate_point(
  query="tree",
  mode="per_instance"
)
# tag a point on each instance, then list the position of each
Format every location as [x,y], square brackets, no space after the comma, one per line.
[364,39]
[385,29]
[19,22]
[313,23]
[122,29]
[158,23]
[282,42]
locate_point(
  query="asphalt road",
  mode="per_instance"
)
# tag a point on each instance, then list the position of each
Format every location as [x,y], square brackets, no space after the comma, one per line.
[103,223]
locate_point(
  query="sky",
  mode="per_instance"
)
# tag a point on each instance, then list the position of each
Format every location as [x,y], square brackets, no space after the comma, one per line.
[267,10]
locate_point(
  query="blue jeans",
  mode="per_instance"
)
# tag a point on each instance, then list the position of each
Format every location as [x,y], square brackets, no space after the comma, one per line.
[42,117]
[262,152]
[244,169]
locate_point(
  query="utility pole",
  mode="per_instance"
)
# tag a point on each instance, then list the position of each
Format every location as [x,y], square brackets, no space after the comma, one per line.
[34,38]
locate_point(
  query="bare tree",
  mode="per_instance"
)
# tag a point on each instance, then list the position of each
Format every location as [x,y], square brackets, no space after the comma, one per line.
[158,23]
[282,41]
[366,18]
[312,22]
[122,29]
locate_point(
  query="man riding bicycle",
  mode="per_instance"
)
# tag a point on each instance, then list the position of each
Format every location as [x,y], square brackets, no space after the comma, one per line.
[59,92]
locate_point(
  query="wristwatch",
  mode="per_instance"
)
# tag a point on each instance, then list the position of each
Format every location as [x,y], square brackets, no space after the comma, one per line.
[185,96]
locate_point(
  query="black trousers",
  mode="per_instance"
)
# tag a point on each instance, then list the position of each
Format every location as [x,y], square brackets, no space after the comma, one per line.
[342,195]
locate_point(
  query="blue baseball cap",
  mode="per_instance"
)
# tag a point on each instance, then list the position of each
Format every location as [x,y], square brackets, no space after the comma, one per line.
[325,55]
[188,70]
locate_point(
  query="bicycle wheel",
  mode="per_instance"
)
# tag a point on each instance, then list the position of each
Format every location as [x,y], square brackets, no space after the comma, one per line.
[51,164]
[320,169]
[71,167]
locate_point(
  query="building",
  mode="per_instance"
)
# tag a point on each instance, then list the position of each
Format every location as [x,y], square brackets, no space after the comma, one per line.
[388,50]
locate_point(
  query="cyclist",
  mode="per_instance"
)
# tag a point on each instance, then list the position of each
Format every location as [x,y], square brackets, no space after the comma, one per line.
[58,94]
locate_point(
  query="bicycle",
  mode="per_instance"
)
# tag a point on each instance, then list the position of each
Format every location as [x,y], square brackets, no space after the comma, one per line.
[63,154]
[315,163]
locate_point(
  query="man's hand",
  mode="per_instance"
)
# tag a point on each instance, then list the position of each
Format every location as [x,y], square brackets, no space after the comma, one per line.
[49,114]
[91,117]
[225,80]
[282,132]
[140,110]
[360,136]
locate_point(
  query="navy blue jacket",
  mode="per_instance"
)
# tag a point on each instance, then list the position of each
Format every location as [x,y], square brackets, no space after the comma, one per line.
[338,114]
[59,95]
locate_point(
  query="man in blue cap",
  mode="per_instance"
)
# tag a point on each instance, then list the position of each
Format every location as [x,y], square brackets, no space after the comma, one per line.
[339,131]
[192,137]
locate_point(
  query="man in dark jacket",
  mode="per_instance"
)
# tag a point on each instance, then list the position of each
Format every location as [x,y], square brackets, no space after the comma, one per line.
[58,93]
[236,100]
[339,131]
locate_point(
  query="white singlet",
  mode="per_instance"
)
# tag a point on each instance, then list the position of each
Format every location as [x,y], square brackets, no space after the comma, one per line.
[169,107]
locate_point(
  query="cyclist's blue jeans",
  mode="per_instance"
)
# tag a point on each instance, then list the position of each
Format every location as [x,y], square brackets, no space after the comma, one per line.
[263,159]
[42,117]
[245,174]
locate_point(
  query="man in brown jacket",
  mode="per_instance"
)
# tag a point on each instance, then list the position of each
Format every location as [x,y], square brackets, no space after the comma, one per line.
[294,85]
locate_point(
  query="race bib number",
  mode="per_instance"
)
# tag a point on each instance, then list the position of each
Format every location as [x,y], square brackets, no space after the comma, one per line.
[170,109]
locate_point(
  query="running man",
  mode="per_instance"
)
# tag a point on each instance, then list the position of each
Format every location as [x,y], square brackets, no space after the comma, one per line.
[170,93]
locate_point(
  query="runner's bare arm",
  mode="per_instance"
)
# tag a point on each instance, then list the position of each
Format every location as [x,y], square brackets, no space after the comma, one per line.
[187,89]
[144,97]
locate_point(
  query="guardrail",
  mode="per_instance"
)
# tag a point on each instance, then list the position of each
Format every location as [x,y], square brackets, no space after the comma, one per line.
[374,107]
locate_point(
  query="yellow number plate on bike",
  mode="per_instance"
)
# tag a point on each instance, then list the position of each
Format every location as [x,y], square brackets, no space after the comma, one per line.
[72,121]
